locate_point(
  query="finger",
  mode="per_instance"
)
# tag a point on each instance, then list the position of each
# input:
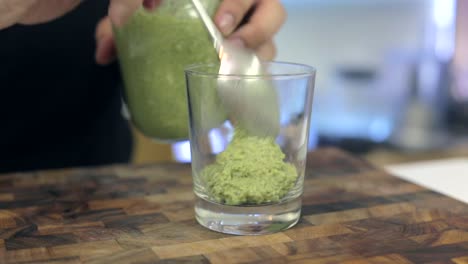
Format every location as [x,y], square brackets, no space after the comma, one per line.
[266,51]
[121,10]
[230,13]
[105,47]
[267,19]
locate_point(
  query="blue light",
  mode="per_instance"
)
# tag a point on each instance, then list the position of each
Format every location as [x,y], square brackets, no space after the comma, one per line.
[217,141]
[444,16]
[181,151]
[380,129]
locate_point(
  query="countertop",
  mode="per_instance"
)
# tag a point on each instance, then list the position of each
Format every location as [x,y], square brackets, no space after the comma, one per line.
[444,170]
[447,176]
[352,212]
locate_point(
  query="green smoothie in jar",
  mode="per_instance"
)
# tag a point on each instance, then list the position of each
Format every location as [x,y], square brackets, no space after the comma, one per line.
[153,48]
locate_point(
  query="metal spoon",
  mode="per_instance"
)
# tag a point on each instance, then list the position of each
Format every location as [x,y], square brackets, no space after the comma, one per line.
[252,101]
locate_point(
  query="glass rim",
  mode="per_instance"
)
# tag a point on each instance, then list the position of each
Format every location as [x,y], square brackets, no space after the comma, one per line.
[194,69]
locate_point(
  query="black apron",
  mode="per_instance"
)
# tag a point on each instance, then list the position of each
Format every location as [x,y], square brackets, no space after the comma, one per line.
[58,107]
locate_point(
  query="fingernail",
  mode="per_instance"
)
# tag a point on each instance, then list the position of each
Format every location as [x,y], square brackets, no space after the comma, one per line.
[226,23]
[151,4]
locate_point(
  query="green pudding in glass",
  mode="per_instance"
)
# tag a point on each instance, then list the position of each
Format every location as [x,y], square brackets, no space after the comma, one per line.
[251,170]
[153,49]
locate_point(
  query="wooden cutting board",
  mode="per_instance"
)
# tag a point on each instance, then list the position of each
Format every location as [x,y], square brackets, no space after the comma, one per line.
[352,213]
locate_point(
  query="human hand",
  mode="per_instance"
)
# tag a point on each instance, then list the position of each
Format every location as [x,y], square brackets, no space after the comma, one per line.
[119,12]
[29,12]
[267,16]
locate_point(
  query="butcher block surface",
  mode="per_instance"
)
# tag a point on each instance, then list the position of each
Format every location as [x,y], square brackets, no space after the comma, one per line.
[352,213]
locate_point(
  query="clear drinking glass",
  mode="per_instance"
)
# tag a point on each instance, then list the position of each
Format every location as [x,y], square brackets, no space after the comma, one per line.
[246,184]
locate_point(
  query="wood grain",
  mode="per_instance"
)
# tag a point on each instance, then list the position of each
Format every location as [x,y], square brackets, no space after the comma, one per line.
[352,213]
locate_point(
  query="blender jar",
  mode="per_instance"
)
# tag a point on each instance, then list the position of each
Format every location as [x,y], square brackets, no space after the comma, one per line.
[154,47]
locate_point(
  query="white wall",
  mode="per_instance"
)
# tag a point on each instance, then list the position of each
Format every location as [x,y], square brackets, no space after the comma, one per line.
[327,33]
[331,33]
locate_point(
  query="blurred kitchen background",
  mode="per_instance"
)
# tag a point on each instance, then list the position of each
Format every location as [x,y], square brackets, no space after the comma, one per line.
[392,82]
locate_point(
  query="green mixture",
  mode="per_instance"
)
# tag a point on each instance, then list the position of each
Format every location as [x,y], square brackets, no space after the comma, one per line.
[154,49]
[250,171]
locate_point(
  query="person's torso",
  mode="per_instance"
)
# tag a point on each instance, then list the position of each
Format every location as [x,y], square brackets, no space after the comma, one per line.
[52,91]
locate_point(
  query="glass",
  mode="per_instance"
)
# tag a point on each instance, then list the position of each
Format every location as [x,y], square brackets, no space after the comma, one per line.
[154,47]
[246,184]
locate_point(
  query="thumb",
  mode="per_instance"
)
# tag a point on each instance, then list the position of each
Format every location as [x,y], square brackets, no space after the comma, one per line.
[105,46]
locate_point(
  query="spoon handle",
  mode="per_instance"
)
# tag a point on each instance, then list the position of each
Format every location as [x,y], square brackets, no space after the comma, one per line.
[215,34]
